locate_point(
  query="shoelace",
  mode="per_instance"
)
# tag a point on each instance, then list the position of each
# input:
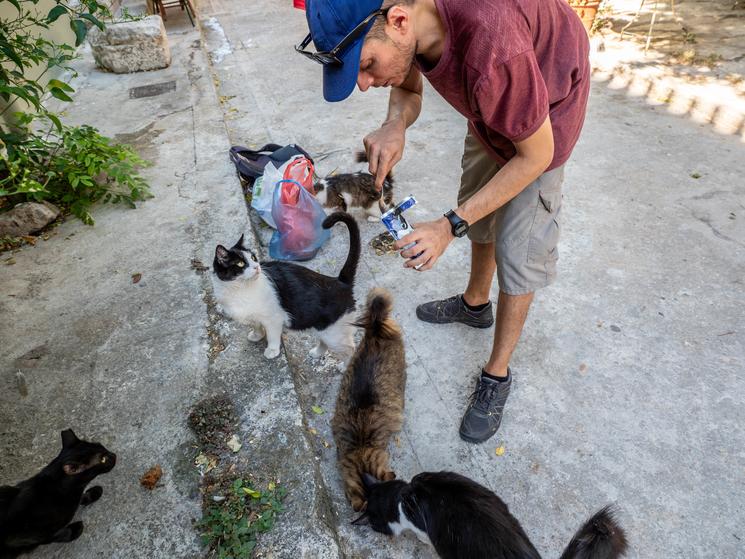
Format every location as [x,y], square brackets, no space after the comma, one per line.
[483,395]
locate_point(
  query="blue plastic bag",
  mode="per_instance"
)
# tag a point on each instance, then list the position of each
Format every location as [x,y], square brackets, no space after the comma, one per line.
[299,218]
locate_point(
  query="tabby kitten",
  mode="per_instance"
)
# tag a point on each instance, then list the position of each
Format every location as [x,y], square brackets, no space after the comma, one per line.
[465,520]
[279,295]
[370,405]
[38,511]
[356,190]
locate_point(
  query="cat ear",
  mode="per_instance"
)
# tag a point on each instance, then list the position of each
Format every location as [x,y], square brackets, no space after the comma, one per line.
[74,468]
[239,244]
[361,520]
[69,438]
[369,481]
[221,253]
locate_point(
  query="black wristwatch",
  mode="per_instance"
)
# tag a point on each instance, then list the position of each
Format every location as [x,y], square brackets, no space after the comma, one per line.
[458,226]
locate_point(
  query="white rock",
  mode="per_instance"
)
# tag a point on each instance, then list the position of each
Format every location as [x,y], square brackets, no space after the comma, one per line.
[131,46]
[27,218]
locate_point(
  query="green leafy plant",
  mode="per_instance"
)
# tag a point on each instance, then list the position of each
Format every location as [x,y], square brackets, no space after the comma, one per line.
[75,167]
[40,157]
[230,527]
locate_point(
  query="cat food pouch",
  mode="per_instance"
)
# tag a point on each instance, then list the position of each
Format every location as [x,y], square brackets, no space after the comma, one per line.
[299,218]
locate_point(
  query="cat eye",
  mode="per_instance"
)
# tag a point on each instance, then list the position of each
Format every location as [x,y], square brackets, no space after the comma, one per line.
[253,257]
[241,264]
[104,459]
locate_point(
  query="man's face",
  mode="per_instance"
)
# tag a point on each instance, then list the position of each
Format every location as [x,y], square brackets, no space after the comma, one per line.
[384,62]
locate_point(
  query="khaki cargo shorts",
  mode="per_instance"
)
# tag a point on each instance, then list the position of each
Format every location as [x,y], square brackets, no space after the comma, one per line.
[525,230]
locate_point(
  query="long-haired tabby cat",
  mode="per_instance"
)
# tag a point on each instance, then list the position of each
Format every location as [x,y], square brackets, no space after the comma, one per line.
[282,294]
[465,520]
[370,405]
[356,190]
[38,511]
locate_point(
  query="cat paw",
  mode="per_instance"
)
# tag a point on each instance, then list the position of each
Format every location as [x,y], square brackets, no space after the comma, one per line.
[255,335]
[91,495]
[271,352]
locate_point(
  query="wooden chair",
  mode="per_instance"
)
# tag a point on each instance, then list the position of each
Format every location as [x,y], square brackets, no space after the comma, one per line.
[159,7]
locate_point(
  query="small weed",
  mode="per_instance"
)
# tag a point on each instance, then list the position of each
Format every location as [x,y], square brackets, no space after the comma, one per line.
[232,522]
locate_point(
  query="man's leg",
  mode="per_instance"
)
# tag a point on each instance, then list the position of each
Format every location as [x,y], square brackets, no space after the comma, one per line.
[527,234]
[512,310]
[483,266]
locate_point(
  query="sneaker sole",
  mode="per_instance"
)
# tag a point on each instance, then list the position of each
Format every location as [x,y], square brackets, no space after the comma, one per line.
[476,441]
[481,325]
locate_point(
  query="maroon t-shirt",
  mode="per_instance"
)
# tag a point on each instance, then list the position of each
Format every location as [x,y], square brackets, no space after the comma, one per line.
[506,64]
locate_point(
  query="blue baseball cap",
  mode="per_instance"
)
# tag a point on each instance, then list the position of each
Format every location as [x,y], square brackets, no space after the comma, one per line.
[329,22]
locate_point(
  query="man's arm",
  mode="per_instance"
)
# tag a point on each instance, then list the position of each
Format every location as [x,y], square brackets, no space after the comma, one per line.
[385,146]
[534,155]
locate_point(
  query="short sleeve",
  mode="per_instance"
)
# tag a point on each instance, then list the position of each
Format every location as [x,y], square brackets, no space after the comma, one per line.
[512,98]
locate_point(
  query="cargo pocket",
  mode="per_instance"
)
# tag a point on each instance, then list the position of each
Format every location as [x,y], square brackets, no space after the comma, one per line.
[544,235]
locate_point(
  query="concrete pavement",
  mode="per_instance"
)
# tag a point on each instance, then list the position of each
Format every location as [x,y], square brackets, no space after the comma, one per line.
[628,378]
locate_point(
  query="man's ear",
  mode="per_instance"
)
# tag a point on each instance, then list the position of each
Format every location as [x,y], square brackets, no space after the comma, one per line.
[73,468]
[399,19]
[68,438]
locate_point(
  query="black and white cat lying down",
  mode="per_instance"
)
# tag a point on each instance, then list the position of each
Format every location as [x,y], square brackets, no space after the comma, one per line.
[465,520]
[276,295]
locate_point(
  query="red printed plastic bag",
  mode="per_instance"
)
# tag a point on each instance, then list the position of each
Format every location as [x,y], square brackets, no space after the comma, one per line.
[299,169]
[299,218]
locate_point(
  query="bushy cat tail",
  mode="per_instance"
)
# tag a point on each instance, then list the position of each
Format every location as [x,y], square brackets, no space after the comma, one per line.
[601,537]
[349,269]
[361,157]
[376,319]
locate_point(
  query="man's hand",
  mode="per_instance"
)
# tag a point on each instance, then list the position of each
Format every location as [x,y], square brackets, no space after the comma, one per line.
[431,238]
[384,148]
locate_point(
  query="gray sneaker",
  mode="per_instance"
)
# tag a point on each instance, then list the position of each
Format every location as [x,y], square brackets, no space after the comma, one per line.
[484,414]
[454,310]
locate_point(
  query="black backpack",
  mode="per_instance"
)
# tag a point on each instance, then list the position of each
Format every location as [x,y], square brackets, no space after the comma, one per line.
[250,163]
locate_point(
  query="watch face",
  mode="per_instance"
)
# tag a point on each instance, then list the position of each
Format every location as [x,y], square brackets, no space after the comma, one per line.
[461,229]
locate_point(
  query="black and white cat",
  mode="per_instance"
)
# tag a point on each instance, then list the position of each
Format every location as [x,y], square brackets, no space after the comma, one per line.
[464,520]
[39,510]
[279,295]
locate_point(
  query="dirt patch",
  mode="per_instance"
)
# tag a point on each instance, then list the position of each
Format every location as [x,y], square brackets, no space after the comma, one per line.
[213,421]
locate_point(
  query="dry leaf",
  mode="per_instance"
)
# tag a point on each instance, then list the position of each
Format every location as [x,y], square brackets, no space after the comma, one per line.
[271,486]
[136,277]
[326,444]
[234,444]
[29,239]
[205,463]
[499,451]
[312,431]
[150,478]
[10,261]
[397,442]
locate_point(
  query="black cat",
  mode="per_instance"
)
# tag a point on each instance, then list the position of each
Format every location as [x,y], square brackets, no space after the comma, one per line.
[465,520]
[38,511]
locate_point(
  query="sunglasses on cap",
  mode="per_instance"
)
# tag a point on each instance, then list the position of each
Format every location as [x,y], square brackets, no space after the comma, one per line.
[330,58]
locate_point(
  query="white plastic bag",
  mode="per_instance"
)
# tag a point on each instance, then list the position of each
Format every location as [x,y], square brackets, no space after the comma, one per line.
[299,169]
